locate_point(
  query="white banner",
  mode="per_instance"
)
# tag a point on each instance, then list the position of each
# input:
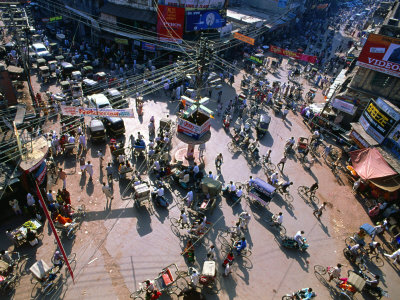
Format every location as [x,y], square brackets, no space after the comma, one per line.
[214,4]
[93,112]
[344,106]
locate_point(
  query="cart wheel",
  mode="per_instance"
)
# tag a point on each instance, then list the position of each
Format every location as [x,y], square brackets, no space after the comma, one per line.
[302,190]
[320,269]
[246,253]
[224,242]
[247,263]
[36,290]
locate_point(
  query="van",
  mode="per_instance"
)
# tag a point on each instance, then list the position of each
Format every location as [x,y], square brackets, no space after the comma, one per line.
[99,101]
[115,126]
[40,49]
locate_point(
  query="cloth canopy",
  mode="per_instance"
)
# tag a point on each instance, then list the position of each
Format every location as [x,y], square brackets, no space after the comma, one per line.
[370,164]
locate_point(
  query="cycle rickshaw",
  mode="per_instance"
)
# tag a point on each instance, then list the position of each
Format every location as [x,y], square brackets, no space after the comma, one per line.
[260,192]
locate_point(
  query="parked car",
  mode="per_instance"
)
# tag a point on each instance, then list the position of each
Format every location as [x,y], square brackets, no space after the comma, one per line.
[99,101]
[40,50]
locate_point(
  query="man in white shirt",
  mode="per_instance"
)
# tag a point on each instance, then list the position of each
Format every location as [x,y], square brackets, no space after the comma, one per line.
[251,181]
[189,198]
[160,191]
[274,178]
[107,191]
[244,219]
[184,219]
[299,238]
[239,192]
[82,141]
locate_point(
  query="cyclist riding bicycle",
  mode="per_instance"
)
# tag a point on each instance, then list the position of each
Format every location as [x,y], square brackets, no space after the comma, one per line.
[58,260]
[240,245]
[277,219]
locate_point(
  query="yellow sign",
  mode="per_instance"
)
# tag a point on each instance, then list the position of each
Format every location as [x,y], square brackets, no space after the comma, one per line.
[243,38]
[375,114]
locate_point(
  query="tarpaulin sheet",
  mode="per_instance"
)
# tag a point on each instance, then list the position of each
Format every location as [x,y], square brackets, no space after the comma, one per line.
[390,184]
[370,164]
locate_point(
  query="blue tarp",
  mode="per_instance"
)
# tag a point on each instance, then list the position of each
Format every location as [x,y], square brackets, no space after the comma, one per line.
[262,185]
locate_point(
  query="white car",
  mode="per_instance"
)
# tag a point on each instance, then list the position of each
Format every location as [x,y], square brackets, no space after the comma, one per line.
[40,49]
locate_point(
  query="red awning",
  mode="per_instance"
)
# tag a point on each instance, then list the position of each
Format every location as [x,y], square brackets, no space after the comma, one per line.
[370,164]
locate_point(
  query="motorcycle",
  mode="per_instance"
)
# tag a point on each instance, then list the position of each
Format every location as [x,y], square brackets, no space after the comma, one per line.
[298,295]
[290,243]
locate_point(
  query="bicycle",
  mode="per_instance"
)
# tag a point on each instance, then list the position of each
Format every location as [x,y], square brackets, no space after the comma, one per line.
[273,223]
[267,165]
[46,286]
[177,225]
[303,191]
[289,198]
[72,263]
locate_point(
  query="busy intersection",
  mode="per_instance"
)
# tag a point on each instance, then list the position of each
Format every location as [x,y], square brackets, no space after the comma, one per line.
[257,203]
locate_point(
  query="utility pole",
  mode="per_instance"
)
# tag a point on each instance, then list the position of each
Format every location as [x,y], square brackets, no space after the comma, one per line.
[204,56]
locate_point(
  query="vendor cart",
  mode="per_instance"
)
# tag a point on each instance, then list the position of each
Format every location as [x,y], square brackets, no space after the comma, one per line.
[142,197]
[302,144]
[260,192]
[19,234]
[207,199]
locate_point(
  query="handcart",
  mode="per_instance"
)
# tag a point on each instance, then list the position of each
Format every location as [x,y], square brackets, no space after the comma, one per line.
[302,144]
[260,192]
[207,199]
[208,277]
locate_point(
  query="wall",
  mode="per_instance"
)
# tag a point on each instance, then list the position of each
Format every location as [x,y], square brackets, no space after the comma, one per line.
[378,84]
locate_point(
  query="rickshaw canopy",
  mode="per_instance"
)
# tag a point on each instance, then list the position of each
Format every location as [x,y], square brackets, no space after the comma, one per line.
[211,186]
[263,186]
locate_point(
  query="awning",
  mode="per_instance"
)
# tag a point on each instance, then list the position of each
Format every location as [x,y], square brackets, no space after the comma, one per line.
[390,184]
[130,13]
[370,164]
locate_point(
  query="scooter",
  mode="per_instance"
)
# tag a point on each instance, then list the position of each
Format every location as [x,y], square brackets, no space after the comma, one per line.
[289,242]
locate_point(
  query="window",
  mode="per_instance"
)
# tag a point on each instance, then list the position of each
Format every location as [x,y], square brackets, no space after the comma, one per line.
[381,80]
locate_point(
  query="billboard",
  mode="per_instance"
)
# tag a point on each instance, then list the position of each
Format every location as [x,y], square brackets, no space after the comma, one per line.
[170,23]
[381,53]
[376,121]
[295,55]
[193,130]
[194,4]
[204,19]
[148,47]
[344,104]
[101,112]
[243,38]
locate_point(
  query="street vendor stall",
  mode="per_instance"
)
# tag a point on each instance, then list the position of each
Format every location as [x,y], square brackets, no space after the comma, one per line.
[19,234]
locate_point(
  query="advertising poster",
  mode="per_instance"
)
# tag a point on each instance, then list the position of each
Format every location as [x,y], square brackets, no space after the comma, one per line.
[381,53]
[170,23]
[194,4]
[395,135]
[344,104]
[203,19]
[295,55]
[100,112]
[376,122]
[243,38]
[148,47]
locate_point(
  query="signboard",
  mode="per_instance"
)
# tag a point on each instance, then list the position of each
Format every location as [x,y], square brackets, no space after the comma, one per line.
[121,41]
[40,174]
[203,19]
[295,55]
[55,19]
[243,38]
[108,18]
[257,59]
[192,129]
[101,112]
[376,122]
[393,141]
[148,47]
[360,142]
[381,53]
[170,23]
[344,105]
[195,4]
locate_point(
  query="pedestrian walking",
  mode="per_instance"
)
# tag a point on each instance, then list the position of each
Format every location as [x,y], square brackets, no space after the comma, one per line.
[107,191]
[89,169]
[318,212]
[82,164]
[82,142]
[282,162]
[227,270]
[109,171]
[211,252]
[202,148]
[244,220]
[268,156]
[218,161]
[285,113]
[327,150]
[101,157]
[63,177]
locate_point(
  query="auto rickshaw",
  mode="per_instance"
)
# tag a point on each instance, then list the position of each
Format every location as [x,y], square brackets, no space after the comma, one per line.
[44,73]
[40,62]
[76,75]
[87,71]
[66,69]
[52,65]
[59,59]
[97,131]
[100,76]
[90,87]
[36,38]
[262,125]
[65,87]
[53,47]
[76,90]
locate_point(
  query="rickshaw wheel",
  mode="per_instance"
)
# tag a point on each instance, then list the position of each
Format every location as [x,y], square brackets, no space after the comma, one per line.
[288,197]
[377,261]
[36,290]
[349,241]
[320,269]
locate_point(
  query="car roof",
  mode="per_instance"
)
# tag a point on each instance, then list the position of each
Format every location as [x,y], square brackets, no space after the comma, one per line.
[37,45]
[113,92]
[99,99]
[96,124]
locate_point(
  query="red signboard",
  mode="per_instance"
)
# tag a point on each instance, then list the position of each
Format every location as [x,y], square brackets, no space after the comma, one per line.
[381,53]
[170,23]
[295,55]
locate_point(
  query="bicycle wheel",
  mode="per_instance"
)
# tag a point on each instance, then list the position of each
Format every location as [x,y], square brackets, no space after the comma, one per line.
[72,257]
[36,290]
[224,241]
[175,231]
[302,190]
[288,197]
[320,269]
[282,230]
[377,261]
[349,241]
[344,295]
[136,295]
[246,253]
